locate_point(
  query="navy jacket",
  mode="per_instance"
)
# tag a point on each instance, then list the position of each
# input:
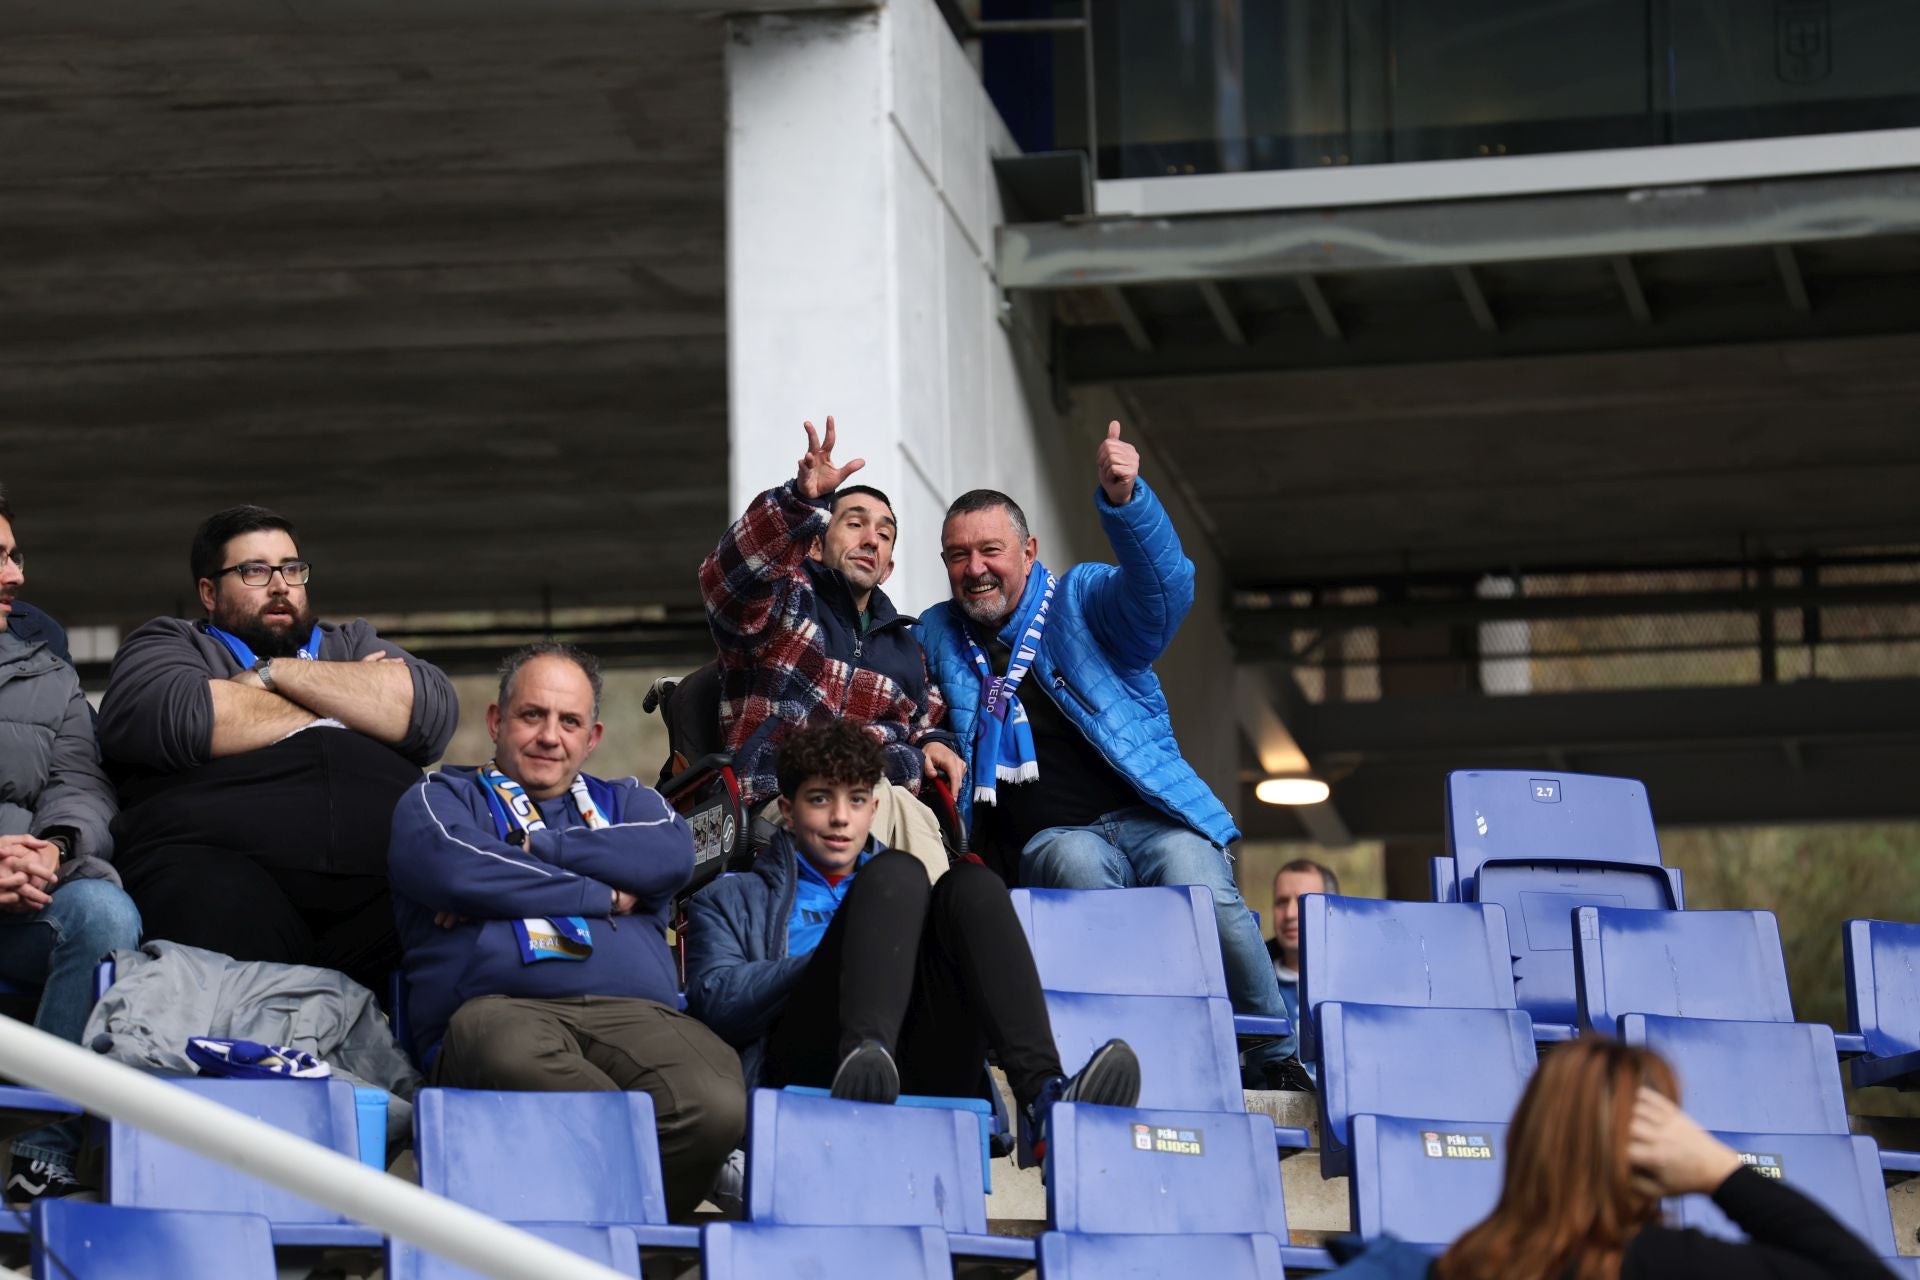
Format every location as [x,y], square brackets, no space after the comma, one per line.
[739,974]
[447,855]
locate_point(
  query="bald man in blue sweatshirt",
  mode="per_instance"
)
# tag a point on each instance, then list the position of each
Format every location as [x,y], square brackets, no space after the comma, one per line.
[532,902]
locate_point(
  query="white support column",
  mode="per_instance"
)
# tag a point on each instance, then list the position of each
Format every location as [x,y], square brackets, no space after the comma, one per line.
[860,208]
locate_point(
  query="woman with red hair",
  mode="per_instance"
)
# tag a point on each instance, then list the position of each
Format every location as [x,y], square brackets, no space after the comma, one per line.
[1598,1139]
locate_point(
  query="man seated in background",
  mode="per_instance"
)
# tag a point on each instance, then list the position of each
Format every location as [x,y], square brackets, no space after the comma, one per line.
[259,755]
[1292,882]
[533,901]
[61,907]
[1078,782]
[805,634]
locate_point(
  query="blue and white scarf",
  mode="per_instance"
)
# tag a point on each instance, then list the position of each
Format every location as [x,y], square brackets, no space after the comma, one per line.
[1002,740]
[515,814]
[243,652]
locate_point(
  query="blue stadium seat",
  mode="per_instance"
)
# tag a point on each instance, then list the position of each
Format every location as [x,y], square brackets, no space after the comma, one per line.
[1424,1182]
[547,1157]
[1448,1066]
[1424,954]
[1121,1171]
[146,1172]
[755,1250]
[1681,964]
[979,1108]
[1749,1077]
[615,1247]
[1066,1255]
[73,1241]
[1841,1172]
[821,1162]
[1185,1044]
[1883,1001]
[1072,933]
[1540,844]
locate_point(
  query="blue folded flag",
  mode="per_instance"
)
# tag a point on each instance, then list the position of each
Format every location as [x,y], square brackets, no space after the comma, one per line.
[251,1060]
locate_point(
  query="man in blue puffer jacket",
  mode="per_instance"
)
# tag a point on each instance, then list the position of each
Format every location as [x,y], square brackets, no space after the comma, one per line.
[1077,780]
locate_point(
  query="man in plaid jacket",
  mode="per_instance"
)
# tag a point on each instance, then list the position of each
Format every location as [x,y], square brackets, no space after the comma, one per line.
[805,634]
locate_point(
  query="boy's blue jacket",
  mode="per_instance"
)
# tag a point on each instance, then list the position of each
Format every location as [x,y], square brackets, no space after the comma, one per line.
[739,974]
[447,855]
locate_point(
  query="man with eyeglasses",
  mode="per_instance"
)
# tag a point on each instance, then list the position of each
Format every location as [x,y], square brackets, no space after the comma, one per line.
[259,755]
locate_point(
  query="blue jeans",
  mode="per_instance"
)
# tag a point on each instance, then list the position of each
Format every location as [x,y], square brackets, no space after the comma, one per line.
[56,950]
[1139,846]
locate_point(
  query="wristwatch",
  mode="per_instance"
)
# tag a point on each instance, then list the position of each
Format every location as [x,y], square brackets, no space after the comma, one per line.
[264,669]
[61,839]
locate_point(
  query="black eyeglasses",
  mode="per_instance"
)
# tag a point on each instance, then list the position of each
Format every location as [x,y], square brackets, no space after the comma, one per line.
[19,559]
[258,573]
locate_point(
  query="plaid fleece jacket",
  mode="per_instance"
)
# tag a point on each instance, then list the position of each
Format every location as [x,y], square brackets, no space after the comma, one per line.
[791,649]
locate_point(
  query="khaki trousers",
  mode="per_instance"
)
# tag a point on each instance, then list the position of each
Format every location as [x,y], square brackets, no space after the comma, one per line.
[588,1044]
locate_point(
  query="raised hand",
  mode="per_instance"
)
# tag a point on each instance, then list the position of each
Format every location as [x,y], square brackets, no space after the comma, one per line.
[818,477]
[1672,1155]
[1117,464]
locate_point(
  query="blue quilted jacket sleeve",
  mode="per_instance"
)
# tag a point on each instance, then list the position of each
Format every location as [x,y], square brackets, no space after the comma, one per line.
[1135,608]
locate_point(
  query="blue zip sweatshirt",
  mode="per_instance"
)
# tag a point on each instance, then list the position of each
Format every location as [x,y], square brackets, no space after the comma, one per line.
[447,855]
[740,969]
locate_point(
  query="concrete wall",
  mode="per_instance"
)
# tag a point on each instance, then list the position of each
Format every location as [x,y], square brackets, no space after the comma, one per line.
[860,216]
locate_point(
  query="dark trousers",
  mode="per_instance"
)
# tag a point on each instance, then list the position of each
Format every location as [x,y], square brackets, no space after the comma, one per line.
[938,974]
[232,903]
[586,1044]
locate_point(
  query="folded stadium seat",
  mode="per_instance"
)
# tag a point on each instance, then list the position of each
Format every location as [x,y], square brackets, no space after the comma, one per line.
[1749,1077]
[1073,932]
[1143,965]
[145,1172]
[75,1241]
[1841,1173]
[979,1108]
[1116,1171]
[615,1247]
[822,1162]
[1444,1066]
[1424,1182]
[1067,1255]
[1883,1001]
[1678,964]
[754,1250]
[1420,954]
[1541,844]
[547,1157]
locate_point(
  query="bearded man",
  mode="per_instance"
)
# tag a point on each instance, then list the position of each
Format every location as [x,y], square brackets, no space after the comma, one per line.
[259,755]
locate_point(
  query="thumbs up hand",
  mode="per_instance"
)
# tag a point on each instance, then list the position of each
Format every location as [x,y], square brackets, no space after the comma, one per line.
[1117,464]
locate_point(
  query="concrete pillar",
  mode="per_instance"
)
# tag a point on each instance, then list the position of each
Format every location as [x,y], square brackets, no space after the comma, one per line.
[860,216]
[861,207]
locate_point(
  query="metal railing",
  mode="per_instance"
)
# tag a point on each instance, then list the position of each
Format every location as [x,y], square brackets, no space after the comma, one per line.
[108,1088]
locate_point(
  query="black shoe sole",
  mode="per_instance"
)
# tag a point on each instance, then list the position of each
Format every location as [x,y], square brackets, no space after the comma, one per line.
[1111,1077]
[867,1075]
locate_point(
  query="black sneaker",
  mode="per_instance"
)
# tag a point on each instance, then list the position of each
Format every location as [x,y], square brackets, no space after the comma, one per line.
[42,1180]
[1111,1078]
[867,1074]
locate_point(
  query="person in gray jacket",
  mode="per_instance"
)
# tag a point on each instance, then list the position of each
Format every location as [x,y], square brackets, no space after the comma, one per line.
[61,905]
[259,754]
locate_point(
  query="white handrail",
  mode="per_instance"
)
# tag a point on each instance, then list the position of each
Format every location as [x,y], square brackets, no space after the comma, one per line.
[364,1194]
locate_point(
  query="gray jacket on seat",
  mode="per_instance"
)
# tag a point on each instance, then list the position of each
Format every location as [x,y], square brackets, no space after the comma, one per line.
[50,773]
